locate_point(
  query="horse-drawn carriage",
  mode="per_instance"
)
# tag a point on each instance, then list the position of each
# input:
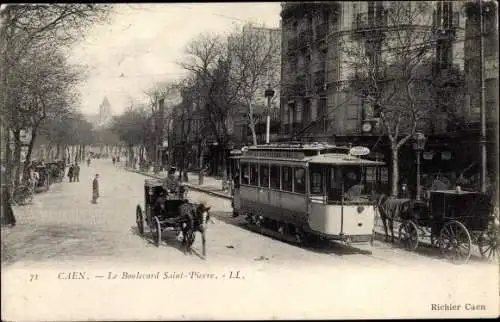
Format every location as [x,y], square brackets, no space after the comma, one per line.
[170,210]
[43,182]
[56,170]
[454,221]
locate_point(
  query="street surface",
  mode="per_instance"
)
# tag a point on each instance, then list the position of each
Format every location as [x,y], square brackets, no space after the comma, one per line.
[63,225]
[62,236]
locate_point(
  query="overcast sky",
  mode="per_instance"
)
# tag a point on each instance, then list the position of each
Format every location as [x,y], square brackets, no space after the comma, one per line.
[144,41]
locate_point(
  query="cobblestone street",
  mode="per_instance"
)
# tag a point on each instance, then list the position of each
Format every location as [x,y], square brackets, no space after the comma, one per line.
[63,231]
[63,225]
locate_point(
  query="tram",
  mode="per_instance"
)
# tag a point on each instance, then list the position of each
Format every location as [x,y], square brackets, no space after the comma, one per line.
[297,191]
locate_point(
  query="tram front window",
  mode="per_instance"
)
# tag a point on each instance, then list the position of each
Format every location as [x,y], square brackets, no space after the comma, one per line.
[352,183]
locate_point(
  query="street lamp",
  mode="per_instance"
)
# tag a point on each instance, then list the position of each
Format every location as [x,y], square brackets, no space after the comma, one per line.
[269,93]
[418,146]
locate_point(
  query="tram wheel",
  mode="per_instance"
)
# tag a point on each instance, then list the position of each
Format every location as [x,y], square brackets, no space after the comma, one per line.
[455,242]
[282,228]
[408,235]
[300,236]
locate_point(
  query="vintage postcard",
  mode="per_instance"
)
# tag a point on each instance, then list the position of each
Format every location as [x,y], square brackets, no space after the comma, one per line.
[278,160]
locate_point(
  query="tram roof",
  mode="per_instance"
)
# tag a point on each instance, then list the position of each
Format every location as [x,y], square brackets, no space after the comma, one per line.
[340,159]
[327,158]
[296,146]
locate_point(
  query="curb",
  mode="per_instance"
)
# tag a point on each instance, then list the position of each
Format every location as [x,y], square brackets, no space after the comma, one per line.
[191,186]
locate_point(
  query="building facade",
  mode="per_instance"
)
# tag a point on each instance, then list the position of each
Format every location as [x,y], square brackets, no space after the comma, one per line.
[316,104]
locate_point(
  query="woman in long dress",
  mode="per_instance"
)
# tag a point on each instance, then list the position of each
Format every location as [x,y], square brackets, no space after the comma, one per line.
[95,189]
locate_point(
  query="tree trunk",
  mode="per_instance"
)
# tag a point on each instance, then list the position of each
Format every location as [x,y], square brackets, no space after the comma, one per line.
[17,157]
[8,156]
[27,161]
[251,124]
[131,156]
[395,170]
[58,151]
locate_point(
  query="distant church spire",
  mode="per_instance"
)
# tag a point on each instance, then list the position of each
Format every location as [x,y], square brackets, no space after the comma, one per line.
[105,112]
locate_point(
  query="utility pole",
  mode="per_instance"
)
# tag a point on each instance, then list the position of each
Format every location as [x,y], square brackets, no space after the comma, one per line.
[482,140]
[269,93]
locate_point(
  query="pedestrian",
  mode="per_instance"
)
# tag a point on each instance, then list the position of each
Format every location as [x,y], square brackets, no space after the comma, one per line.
[88,162]
[95,189]
[76,173]
[114,160]
[70,173]
[7,211]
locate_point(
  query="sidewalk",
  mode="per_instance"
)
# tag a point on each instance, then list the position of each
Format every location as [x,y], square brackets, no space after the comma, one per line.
[210,185]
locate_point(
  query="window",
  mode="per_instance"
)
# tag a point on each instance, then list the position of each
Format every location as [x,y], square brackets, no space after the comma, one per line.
[245,173]
[354,183]
[316,180]
[334,185]
[254,175]
[264,176]
[275,177]
[299,180]
[286,176]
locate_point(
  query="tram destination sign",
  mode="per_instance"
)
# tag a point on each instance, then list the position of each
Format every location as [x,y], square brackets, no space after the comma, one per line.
[276,154]
[359,151]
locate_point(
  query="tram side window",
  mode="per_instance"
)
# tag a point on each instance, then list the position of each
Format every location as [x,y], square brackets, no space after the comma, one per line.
[245,174]
[316,180]
[286,176]
[254,175]
[299,180]
[275,177]
[264,176]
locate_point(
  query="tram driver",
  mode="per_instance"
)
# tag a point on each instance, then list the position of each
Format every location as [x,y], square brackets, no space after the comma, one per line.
[170,183]
[353,187]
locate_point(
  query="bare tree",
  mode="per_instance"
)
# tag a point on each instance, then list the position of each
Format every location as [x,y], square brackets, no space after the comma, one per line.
[208,60]
[392,72]
[44,87]
[26,30]
[255,54]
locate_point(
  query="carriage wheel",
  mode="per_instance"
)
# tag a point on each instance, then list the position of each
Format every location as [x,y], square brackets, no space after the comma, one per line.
[22,195]
[455,242]
[488,244]
[408,235]
[140,220]
[156,227]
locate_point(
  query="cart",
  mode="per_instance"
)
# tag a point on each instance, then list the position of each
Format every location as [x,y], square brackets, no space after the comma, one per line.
[156,221]
[454,221]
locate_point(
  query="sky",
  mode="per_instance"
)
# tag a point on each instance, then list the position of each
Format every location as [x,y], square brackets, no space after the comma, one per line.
[144,41]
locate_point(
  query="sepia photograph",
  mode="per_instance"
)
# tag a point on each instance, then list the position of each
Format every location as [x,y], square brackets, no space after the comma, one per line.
[249,160]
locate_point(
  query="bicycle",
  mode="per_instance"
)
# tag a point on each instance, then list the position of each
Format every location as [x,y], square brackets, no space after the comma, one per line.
[23,194]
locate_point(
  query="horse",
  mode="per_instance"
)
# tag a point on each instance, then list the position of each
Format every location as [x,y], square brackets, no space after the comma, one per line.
[389,211]
[195,219]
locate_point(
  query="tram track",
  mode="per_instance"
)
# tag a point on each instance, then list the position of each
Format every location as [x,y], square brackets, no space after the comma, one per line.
[316,244]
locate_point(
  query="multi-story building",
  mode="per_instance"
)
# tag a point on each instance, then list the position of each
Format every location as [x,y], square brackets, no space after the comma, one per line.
[316,102]
[481,52]
[315,73]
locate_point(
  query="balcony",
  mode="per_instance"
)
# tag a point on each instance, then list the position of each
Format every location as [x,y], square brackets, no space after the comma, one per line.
[319,82]
[321,31]
[292,45]
[305,38]
[369,22]
[446,27]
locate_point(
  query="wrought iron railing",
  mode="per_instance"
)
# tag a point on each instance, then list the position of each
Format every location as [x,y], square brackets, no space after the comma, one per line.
[365,21]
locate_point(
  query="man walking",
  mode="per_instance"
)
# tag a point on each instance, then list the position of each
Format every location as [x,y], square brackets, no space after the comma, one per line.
[76,173]
[95,189]
[70,173]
